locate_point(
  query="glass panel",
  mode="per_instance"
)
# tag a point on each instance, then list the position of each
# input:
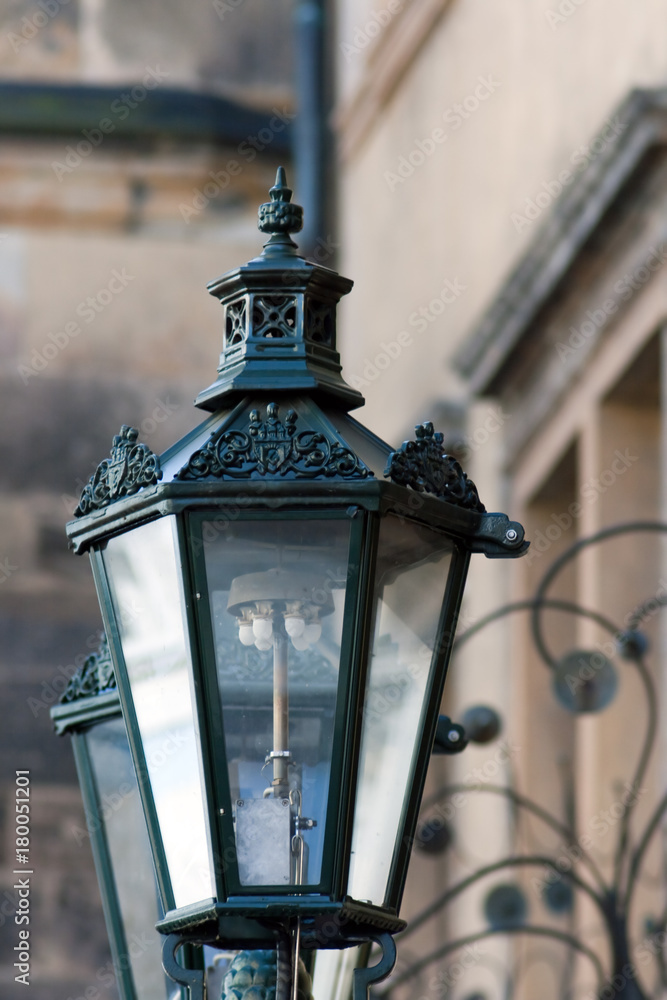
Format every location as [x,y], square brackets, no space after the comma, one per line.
[145,578]
[277,595]
[411,577]
[118,810]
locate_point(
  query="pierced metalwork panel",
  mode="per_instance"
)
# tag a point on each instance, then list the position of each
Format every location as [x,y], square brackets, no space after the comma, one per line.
[274,316]
[273,447]
[422,465]
[235,325]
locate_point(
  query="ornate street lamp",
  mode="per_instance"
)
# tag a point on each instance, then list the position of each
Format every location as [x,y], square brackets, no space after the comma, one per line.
[90,713]
[280,591]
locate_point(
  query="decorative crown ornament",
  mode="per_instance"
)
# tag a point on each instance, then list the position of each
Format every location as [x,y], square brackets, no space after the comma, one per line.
[423,466]
[130,467]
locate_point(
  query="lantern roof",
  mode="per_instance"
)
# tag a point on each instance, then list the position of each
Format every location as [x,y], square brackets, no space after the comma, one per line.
[280,318]
[279,421]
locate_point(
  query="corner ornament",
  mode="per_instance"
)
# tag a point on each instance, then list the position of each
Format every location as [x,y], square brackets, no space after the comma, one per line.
[272,447]
[130,467]
[422,465]
[94,676]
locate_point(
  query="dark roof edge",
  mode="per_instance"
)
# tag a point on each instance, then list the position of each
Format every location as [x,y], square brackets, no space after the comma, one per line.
[569,224]
[154,110]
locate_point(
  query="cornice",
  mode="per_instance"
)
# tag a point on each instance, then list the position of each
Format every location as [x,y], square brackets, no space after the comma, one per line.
[488,351]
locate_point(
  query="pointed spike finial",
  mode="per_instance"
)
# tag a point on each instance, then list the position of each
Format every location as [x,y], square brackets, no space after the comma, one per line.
[280,191]
[279,217]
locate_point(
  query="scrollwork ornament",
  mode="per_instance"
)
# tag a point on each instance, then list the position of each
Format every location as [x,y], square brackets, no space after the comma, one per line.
[273,447]
[130,467]
[94,676]
[423,466]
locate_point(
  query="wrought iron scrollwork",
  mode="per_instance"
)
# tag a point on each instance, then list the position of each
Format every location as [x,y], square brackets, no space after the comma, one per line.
[423,466]
[130,467]
[273,447]
[95,675]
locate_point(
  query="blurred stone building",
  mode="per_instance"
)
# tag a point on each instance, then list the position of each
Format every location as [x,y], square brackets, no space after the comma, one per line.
[502,212]
[136,141]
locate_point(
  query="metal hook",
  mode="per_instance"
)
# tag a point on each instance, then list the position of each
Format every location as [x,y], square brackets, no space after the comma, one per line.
[363,978]
[193,979]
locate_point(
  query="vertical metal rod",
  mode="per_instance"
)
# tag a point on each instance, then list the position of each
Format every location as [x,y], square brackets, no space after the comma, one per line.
[284,971]
[280,715]
[296,954]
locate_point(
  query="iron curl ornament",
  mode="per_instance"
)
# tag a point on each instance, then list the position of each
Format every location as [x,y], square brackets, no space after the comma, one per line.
[130,467]
[424,467]
[95,676]
[273,447]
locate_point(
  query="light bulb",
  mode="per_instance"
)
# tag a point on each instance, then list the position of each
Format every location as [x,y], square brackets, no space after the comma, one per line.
[263,644]
[300,643]
[246,633]
[263,629]
[312,632]
[294,626]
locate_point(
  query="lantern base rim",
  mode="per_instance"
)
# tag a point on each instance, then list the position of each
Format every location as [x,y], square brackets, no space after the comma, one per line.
[257,921]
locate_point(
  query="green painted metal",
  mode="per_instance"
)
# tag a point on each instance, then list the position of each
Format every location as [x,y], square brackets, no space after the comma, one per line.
[91,698]
[72,716]
[485,533]
[280,318]
[279,445]
[360,625]
[222,832]
[441,655]
[103,868]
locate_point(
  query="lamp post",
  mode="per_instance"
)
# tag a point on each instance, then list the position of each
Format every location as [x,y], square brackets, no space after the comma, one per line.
[280,591]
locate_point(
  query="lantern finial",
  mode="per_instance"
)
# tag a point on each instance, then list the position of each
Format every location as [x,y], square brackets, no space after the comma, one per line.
[280,318]
[279,217]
